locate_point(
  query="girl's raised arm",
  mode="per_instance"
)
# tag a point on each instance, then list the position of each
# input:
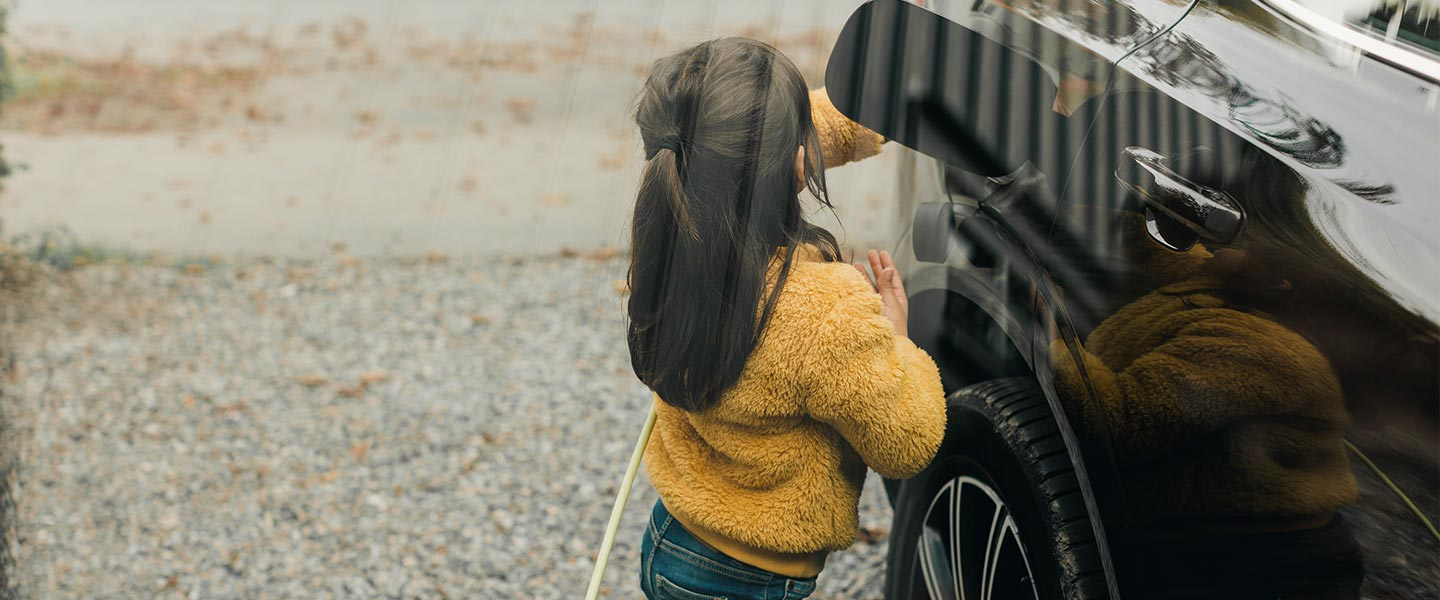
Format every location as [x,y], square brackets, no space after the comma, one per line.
[841,140]
[880,391]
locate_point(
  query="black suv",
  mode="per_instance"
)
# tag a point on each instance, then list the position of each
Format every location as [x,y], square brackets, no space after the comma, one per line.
[1179,265]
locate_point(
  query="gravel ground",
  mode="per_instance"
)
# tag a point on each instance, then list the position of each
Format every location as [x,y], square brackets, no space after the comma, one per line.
[335,428]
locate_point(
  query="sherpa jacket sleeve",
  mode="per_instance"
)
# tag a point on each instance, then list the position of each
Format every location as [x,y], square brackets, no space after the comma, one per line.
[841,140]
[880,391]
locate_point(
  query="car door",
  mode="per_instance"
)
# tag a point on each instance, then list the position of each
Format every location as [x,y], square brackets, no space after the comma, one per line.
[1027,85]
[999,108]
[1269,172]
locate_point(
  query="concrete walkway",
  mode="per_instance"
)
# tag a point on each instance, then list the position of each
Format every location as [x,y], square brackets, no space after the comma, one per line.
[281,128]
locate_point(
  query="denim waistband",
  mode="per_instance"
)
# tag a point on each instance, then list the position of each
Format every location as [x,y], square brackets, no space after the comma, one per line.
[677,534]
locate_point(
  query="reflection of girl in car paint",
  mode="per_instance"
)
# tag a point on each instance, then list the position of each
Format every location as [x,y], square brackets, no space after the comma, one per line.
[1228,424]
[780,372]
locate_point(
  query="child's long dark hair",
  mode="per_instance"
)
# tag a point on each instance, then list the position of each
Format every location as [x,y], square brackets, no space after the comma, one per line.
[721,123]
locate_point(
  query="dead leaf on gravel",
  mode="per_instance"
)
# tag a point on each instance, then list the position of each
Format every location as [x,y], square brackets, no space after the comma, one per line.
[480,319]
[436,257]
[568,252]
[374,377]
[311,380]
[359,449]
[350,391]
[238,406]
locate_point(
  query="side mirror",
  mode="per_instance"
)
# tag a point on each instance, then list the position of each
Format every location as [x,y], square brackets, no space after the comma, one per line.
[939,88]
[932,231]
[937,231]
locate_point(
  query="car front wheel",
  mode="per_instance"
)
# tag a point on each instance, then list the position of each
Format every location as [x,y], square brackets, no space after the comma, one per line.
[998,514]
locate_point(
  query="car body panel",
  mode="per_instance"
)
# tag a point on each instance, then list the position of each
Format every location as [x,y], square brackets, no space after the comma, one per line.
[1331,157]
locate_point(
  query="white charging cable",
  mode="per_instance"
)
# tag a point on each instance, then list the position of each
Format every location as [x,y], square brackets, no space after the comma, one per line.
[620,499]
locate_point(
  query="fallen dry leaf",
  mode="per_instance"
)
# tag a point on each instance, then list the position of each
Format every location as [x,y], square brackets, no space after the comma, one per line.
[436,257]
[311,380]
[611,161]
[522,108]
[604,253]
[367,118]
[359,450]
[480,319]
[568,252]
[350,391]
[373,377]
[233,407]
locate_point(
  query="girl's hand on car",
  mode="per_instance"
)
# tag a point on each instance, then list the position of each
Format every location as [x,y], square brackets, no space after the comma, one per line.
[886,281]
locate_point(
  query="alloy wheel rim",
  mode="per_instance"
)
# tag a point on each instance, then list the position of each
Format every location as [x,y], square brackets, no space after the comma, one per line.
[969,547]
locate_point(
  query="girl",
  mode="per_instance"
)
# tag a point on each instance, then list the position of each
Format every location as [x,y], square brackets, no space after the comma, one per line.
[779,372]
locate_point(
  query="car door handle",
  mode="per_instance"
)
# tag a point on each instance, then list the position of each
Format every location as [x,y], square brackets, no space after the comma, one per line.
[1210,213]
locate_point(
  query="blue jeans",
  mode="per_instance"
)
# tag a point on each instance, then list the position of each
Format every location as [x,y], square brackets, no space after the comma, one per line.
[675,565]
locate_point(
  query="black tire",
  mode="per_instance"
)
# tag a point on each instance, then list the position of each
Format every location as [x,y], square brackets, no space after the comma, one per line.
[1002,445]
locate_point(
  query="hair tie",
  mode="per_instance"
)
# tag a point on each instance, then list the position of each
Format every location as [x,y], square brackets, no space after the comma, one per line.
[672,142]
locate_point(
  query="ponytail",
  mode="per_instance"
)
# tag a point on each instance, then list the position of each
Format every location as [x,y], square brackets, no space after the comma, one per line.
[660,185]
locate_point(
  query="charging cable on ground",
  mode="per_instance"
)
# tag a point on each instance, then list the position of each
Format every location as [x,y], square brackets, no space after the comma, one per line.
[620,499]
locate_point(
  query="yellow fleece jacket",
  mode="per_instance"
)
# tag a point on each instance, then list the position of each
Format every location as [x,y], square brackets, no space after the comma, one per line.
[778,463]
[841,140]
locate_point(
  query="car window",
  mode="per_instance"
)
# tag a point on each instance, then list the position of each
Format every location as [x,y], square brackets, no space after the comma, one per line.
[1411,23]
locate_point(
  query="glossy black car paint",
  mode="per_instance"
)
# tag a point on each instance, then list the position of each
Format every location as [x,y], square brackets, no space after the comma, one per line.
[1330,154]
